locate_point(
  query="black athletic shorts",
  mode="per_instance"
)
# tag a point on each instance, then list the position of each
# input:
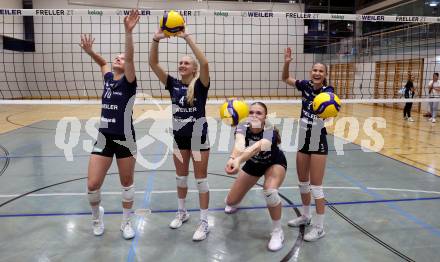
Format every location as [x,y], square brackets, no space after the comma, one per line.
[186,143]
[109,145]
[321,148]
[258,169]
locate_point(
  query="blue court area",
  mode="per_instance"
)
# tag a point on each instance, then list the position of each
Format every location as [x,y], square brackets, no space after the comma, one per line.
[379,209]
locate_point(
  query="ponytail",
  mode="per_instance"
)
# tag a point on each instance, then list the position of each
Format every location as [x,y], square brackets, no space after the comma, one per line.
[277,135]
[190,91]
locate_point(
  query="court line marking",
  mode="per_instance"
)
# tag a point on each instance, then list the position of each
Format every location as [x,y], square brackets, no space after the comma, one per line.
[410,217]
[221,209]
[145,205]
[224,190]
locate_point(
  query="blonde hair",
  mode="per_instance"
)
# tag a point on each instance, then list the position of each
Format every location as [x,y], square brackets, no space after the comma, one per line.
[190,91]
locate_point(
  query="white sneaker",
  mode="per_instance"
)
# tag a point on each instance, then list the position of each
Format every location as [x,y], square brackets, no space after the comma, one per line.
[430,119]
[299,221]
[230,209]
[410,119]
[405,118]
[276,240]
[314,234]
[98,224]
[202,231]
[433,120]
[127,230]
[181,217]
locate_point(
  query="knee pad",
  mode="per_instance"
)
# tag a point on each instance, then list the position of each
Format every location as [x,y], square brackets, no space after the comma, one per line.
[202,185]
[94,196]
[128,193]
[272,197]
[317,192]
[304,187]
[182,181]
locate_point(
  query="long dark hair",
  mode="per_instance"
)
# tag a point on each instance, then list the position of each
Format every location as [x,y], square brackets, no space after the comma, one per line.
[277,132]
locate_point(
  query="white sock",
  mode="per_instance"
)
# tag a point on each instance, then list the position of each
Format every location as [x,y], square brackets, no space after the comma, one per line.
[319,222]
[126,213]
[95,212]
[276,225]
[307,212]
[181,203]
[204,214]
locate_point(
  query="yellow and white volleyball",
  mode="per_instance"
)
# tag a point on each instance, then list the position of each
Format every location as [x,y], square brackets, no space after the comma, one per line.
[233,111]
[326,105]
[172,23]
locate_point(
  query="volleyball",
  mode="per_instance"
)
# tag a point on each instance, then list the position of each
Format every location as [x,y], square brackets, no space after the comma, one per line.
[234,111]
[172,23]
[326,105]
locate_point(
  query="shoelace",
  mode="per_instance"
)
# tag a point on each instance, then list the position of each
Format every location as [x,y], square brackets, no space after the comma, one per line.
[317,230]
[180,215]
[203,226]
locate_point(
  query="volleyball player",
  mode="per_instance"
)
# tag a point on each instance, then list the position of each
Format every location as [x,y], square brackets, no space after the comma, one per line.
[116,133]
[313,149]
[256,145]
[434,92]
[188,97]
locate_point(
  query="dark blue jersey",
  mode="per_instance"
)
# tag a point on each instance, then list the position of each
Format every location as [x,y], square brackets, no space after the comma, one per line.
[308,116]
[187,119]
[115,105]
[408,92]
[263,157]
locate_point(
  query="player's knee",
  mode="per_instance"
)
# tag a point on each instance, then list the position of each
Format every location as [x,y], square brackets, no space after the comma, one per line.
[317,191]
[304,187]
[126,180]
[272,197]
[94,196]
[92,186]
[182,181]
[202,185]
[128,193]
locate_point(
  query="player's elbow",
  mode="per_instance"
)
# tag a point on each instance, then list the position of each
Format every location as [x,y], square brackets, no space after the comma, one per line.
[153,63]
[204,63]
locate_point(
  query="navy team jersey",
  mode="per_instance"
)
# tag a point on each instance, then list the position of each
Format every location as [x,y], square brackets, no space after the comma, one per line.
[115,98]
[263,157]
[408,92]
[308,94]
[188,119]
